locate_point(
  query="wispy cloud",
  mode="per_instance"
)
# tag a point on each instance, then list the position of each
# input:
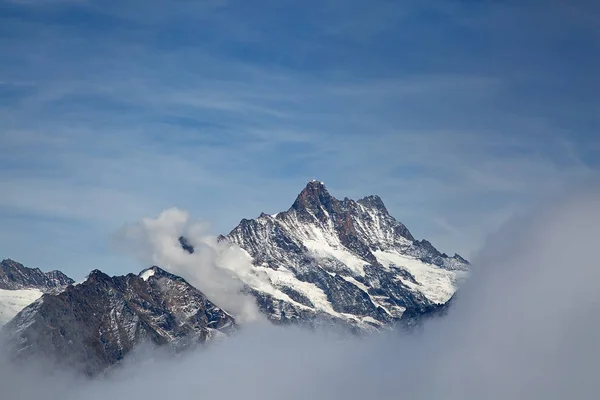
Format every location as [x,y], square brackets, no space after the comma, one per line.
[113,111]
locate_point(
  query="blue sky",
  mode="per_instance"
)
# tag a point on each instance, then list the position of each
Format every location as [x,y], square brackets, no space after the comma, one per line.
[457,113]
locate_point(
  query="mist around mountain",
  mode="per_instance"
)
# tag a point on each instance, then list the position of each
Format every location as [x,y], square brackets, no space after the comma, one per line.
[524,326]
[323,264]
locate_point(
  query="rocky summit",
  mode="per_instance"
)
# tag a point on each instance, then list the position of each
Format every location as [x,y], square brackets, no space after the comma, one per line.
[343,261]
[15,276]
[20,286]
[93,325]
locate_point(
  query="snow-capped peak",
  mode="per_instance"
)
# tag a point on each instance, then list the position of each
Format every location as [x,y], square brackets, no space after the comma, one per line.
[344,260]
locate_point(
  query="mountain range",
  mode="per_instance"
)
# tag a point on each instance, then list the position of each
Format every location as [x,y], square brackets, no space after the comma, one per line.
[323,261]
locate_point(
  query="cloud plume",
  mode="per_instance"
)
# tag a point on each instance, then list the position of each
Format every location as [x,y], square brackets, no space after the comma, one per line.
[214,268]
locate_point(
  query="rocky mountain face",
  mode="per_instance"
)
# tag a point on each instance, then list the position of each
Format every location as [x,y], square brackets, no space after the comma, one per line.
[15,276]
[343,260]
[21,286]
[94,324]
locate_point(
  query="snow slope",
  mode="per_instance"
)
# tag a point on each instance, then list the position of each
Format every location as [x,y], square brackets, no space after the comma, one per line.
[344,260]
[13,301]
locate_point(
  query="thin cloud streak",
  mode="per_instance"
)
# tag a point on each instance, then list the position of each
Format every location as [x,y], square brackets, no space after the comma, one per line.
[160,111]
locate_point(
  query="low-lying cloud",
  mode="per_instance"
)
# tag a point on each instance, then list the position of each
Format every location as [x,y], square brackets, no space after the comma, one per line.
[214,268]
[524,327]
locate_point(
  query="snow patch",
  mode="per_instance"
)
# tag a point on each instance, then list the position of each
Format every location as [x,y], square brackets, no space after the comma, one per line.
[436,284]
[325,250]
[147,274]
[323,242]
[13,301]
[316,295]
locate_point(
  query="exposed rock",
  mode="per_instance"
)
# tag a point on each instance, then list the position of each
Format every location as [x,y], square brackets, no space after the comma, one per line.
[349,260]
[93,325]
[14,276]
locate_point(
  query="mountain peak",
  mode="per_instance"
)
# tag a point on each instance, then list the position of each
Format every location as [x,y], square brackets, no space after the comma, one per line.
[315,187]
[313,196]
[159,273]
[7,262]
[365,261]
[14,275]
[97,275]
[373,201]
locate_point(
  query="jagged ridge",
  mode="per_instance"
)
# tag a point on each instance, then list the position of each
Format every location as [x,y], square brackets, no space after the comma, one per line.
[14,276]
[21,286]
[94,324]
[343,260]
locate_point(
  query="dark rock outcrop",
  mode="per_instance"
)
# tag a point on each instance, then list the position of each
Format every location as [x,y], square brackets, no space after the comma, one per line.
[93,325]
[14,276]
